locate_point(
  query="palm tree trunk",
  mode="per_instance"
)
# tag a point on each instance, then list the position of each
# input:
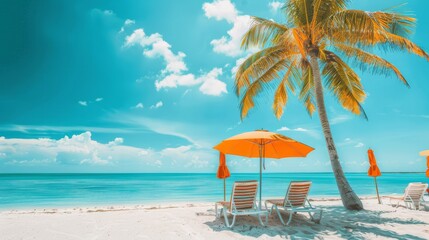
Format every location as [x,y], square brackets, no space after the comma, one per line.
[350,200]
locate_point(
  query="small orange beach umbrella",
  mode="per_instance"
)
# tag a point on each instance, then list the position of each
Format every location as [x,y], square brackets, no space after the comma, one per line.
[223,172]
[373,170]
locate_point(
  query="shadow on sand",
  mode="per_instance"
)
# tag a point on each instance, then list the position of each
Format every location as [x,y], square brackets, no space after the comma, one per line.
[336,221]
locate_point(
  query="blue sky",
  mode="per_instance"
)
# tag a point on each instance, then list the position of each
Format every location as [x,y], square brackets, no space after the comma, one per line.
[147,86]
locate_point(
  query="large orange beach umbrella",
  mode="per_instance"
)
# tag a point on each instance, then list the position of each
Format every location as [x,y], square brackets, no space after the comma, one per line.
[426,153]
[373,170]
[263,144]
[223,172]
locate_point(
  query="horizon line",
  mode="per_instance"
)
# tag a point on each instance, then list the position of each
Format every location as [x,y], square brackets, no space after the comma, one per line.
[182,172]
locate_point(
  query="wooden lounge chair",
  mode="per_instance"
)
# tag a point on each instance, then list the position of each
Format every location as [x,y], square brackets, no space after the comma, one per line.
[243,202]
[295,201]
[413,195]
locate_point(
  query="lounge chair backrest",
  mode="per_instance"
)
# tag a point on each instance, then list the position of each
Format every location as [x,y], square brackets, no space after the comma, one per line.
[415,192]
[244,195]
[297,193]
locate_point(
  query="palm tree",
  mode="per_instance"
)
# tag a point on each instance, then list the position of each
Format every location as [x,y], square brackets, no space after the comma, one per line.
[318,41]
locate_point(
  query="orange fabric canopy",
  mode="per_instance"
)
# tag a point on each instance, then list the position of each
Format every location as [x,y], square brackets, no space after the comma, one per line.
[222,171]
[373,170]
[274,145]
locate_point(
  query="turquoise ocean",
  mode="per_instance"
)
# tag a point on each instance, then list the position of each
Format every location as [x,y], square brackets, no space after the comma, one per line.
[28,191]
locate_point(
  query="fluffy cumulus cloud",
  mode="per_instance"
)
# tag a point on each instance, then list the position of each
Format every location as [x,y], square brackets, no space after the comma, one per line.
[230,44]
[78,149]
[221,9]
[275,5]
[155,46]
[211,84]
[82,150]
[175,72]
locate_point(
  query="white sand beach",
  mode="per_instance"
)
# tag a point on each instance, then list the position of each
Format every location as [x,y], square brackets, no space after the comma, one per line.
[197,221]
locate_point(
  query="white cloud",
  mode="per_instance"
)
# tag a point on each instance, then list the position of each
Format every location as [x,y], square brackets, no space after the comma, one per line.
[298,129]
[275,5]
[283,129]
[108,12]
[359,145]
[139,105]
[173,80]
[154,45]
[221,9]
[309,132]
[157,105]
[229,45]
[238,62]
[339,119]
[352,142]
[117,141]
[83,103]
[211,84]
[127,22]
[174,74]
[79,149]
[82,150]
[99,99]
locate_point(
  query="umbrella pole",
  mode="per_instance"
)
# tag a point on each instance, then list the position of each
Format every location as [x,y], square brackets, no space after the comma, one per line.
[260,176]
[224,189]
[376,189]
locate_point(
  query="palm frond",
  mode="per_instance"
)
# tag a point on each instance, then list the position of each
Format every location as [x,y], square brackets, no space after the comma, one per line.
[344,83]
[247,100]
[255,63]
[306,94]
[280,95]
[262,33]
[374,63]
[357,26]
[299,12]
[391,41]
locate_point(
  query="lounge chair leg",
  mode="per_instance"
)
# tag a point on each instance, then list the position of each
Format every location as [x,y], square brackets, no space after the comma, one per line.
[233,221]
[278,213]
[226,218]
[272,207]
[266,207]
[320,218]
[260,220]
[216,213]
[311,216]
[266,218]
[290,218]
